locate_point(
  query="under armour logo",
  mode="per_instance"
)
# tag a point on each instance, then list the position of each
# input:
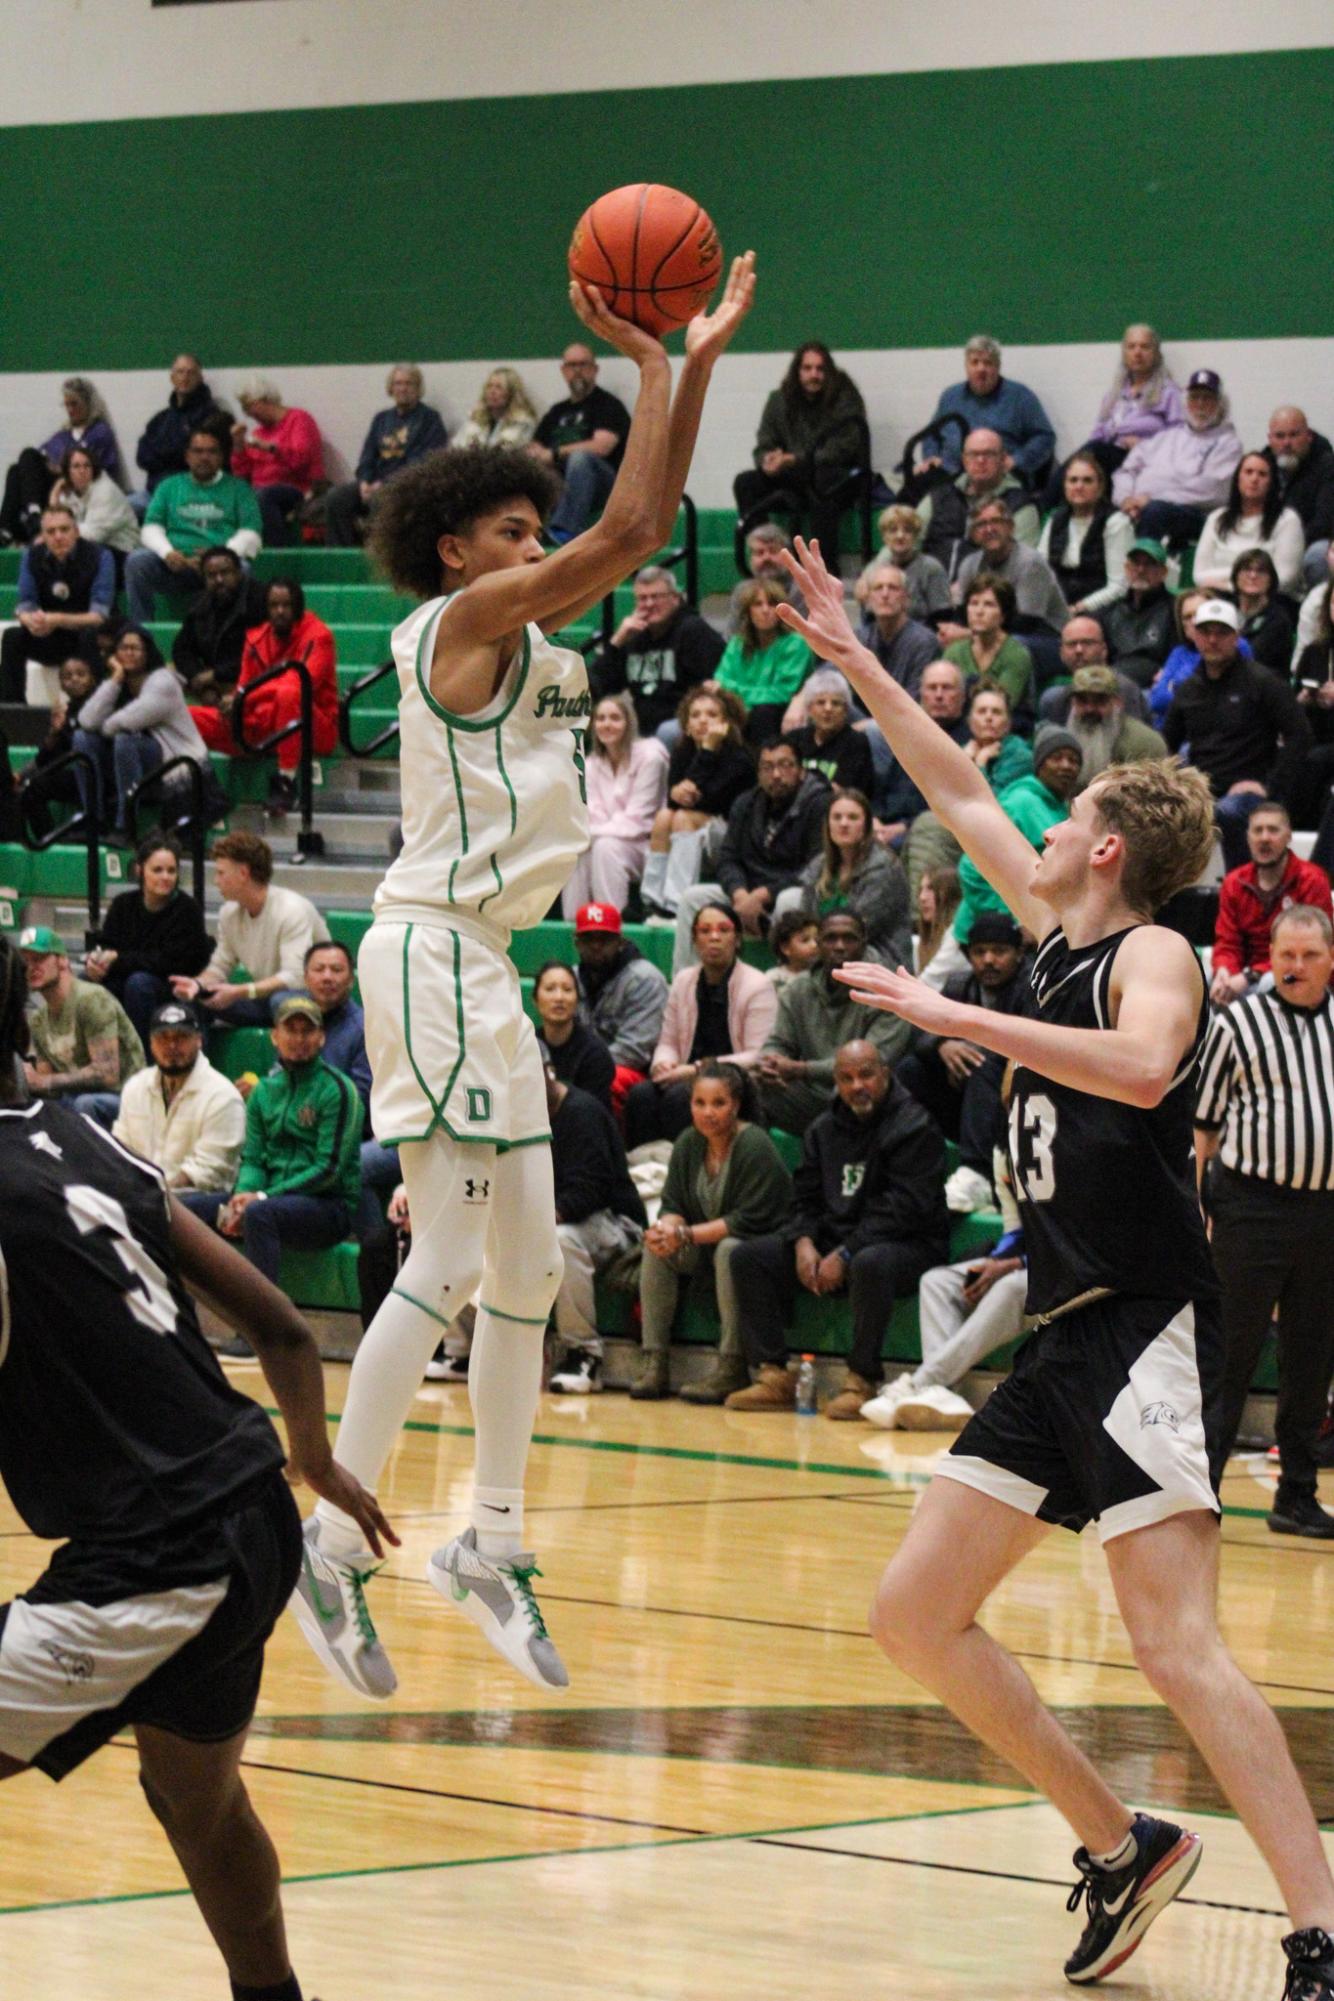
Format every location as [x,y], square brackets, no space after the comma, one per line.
[476,1191]
[1159,1413]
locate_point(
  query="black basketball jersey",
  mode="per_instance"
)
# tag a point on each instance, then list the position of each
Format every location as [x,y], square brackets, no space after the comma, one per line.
[1106,1191]
[116,1423]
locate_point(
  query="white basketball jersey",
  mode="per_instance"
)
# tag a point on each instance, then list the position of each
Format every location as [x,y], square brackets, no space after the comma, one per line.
[495,810]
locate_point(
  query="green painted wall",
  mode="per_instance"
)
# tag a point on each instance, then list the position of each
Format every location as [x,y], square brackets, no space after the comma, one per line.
[1049,203]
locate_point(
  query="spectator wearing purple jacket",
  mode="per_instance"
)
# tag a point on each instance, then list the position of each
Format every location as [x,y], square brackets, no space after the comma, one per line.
[28,481]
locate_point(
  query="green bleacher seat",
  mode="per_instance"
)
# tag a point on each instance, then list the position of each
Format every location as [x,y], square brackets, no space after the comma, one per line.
[324,1280]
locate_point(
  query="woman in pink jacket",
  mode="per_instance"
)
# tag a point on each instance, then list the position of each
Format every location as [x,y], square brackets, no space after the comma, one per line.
[627,781]
[720,1008]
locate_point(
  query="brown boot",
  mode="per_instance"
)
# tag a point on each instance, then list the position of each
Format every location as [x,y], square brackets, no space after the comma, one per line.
[773,1389]
[729,1373]
[652,1377]
[848,1403]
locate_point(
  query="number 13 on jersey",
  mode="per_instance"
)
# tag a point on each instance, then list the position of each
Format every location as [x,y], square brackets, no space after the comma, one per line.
[1032,1144]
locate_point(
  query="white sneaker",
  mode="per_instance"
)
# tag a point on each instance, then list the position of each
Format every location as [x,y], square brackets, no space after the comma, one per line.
[330,1607]
[883,1409]
[580,1375]
[967,1190]
[497,1595]
[934,1409]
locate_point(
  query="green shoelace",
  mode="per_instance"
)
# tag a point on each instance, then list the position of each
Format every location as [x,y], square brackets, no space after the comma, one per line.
[523,1574]
[360,1609]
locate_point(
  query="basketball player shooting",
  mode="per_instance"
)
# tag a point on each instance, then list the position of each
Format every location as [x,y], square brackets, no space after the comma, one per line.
[1108,1415]
[492,719]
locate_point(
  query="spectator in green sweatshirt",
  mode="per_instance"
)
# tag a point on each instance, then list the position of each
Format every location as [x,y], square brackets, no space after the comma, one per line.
[191,511]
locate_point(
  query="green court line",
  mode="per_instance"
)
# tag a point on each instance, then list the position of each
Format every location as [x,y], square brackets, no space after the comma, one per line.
[538,1855]
[895,1477]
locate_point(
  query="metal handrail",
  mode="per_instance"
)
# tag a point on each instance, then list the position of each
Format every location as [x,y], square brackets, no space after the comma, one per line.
[932,428]
[79,823]
[359,688]
[308,841]
[190,822]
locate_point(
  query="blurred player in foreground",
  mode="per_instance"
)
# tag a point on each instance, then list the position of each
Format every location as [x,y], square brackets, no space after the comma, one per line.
[121,1438]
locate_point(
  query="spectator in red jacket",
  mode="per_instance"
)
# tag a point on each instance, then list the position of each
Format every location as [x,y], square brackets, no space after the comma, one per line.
[289,633]
[283,458]
[1252,896]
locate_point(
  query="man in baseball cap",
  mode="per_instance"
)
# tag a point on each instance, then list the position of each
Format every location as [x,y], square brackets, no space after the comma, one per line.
[1169,482]
[83,1044]
[1099,723]
[1243,724]
[958,1083]
[180,1112]
[623,995]
[300,1176]
[1141,624]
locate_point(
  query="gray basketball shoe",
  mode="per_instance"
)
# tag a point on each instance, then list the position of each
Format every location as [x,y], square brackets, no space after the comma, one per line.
[496,1593]
[331,1610]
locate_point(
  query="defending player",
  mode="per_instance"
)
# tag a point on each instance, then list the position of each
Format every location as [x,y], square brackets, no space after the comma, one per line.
[1108,1415]
[492,721]
[180,1543]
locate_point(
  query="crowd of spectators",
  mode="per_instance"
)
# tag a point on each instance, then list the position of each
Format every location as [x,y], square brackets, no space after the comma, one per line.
[1032,605]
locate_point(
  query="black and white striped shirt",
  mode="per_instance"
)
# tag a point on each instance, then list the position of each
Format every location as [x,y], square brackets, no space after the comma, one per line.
[1268,1081]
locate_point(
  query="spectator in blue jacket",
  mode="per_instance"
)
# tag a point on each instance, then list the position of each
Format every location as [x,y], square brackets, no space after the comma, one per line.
[397,437]
[987,401]
[328,976]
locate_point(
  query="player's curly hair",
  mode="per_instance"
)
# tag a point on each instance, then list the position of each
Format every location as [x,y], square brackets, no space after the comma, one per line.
[13,1014]
[1164,812]
[444,494]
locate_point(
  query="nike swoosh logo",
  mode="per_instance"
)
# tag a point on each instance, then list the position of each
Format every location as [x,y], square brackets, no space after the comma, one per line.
[1113,1906]
[457,1591]
[325,1613]
[493,1509]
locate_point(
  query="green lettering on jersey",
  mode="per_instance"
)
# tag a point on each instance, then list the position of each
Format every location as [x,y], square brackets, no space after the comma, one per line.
[551,703]
[479,1104]
[579,765]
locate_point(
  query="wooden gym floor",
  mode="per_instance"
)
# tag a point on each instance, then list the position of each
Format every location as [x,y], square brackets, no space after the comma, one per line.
[736,1797]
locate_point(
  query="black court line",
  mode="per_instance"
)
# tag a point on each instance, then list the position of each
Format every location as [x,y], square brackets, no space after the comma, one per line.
[615,1507]
[999,1875]
[466,1799]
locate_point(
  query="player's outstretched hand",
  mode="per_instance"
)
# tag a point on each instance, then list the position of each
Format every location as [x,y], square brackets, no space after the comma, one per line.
[900,993]
[335,1484]
[632,341]
[709,333]
[825,627]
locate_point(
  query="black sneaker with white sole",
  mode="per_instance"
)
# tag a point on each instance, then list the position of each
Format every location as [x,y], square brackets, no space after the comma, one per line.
[579,1375]
[1300,1514]
[1310,1956]
[1122,1903]
[443,1368]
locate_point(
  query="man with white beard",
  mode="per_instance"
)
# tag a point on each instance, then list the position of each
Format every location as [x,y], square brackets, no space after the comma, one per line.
[1106,734]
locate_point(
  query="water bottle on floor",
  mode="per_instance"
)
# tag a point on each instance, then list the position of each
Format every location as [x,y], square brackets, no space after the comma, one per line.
[806,1403]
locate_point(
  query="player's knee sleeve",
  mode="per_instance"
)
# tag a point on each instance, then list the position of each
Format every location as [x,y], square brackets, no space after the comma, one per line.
[523,1283]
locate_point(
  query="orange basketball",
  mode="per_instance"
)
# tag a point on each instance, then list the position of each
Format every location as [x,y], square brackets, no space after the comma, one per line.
[652,253]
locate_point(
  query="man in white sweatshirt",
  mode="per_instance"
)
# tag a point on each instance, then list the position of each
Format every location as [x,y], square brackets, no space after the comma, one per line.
[1170,481]
[262,927]
[180,1112]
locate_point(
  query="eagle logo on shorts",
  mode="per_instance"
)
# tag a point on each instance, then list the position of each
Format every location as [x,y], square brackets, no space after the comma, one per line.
[1159,1413]
[74,1667]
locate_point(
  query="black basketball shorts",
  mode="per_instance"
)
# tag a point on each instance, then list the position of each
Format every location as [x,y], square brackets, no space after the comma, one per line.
[1110,1416]
[94,1646]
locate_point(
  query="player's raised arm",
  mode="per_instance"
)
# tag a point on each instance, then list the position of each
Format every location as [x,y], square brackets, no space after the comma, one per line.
[550,591]
[1155,1002]
[287,1355]
[951,783]
[707,337]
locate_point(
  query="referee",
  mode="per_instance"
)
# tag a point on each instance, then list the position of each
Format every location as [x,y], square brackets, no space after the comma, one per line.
[1266,1108]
